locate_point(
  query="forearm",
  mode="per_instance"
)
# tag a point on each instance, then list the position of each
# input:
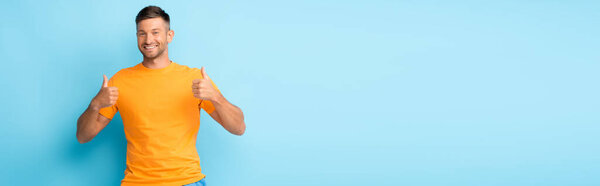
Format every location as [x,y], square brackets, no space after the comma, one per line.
[232,117]
[87,124]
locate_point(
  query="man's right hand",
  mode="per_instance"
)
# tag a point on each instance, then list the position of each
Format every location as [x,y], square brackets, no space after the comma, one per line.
[106,97]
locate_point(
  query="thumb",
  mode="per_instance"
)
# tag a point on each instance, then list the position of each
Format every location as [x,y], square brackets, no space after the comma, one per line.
[105,82]
[204,75]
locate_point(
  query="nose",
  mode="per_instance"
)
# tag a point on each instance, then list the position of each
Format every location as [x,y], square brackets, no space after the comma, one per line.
[148,39]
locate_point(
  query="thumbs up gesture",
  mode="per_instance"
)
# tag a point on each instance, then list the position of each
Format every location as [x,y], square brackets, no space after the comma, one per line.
[204,89]
[107,96]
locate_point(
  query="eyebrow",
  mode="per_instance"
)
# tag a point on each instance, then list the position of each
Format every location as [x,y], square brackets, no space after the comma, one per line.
[154,29]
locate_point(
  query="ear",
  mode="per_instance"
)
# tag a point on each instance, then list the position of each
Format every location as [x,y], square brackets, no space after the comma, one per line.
[170,35]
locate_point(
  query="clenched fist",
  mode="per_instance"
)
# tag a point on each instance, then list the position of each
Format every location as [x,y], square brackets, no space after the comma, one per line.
[107,95]
[204,89]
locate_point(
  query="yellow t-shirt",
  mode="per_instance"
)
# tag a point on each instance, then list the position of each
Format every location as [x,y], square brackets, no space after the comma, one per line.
[161,118]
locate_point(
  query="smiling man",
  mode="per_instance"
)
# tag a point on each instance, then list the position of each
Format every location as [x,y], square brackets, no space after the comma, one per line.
[160,102]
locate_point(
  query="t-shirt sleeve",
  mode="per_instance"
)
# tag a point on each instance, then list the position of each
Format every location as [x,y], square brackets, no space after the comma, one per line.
[109,112]
[208,105]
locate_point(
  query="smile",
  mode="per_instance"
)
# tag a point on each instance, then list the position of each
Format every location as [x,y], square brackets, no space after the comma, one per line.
[150,46]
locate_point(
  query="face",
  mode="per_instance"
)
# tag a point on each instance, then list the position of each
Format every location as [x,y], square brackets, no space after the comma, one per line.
[153,35]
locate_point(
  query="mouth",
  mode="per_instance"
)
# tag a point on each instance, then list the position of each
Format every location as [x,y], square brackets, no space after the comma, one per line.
[149,47]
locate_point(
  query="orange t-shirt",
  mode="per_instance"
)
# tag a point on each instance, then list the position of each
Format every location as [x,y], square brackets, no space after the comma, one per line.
[161,118]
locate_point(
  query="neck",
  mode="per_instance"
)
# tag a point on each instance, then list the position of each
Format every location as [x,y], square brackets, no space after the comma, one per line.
[158,62]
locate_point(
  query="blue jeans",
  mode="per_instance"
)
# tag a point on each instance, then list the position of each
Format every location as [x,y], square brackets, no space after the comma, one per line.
[199,183]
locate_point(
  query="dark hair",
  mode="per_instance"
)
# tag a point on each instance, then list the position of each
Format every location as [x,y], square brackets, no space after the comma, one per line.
[152,12]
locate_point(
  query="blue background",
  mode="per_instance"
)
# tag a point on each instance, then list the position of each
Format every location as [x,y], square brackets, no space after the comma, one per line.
[334,92]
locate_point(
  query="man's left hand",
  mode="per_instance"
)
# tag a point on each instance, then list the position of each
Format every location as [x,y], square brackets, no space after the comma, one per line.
[204,89]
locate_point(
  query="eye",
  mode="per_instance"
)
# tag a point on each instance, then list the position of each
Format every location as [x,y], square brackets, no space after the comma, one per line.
[155,32]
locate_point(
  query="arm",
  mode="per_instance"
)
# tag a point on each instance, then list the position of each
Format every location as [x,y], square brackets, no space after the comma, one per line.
[91,122]
[228,115]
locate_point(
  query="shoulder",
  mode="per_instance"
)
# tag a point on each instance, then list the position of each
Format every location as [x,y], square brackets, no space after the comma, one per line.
[186,69]
[123,73]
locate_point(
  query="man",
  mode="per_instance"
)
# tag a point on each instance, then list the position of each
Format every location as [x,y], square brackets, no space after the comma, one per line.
[160,102]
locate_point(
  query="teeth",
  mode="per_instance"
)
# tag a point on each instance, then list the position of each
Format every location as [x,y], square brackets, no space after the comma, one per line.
[149,47]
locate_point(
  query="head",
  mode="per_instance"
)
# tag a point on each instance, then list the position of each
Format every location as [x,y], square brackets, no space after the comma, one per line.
[153,32]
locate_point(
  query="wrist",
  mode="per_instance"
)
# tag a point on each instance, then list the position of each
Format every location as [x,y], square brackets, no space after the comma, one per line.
[94,105]
[219,100]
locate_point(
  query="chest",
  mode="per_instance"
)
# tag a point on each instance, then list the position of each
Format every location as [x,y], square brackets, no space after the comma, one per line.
[155,94]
